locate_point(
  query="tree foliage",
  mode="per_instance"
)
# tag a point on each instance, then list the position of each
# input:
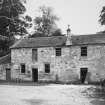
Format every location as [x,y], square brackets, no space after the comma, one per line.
[45,24]
[11,20]
[57,32]
[102,16]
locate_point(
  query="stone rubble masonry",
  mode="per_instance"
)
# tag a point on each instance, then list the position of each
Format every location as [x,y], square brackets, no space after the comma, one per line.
[3,68]
[63,68]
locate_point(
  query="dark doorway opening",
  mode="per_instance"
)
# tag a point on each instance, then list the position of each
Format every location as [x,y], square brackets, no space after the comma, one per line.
[8,74]
[34,74]
[83,74]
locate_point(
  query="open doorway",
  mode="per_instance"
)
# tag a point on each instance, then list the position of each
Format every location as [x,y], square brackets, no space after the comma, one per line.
[83,74]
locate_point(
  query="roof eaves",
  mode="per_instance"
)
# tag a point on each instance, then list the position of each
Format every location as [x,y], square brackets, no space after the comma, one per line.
[15,44]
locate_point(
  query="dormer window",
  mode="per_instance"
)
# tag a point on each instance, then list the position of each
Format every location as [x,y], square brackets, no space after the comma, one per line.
[83,51]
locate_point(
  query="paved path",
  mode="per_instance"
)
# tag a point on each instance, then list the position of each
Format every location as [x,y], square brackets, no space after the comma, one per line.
[47,95]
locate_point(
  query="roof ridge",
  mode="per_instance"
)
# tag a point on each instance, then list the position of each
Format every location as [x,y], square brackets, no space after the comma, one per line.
[46,37]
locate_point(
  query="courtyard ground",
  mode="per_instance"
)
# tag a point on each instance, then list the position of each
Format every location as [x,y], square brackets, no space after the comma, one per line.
[52,94]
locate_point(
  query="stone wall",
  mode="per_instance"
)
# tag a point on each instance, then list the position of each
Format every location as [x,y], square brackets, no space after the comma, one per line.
[65,67]
[3,68]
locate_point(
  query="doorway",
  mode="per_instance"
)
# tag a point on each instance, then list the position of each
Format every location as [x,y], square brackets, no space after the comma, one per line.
[83,74]
[8,74]
[34,74]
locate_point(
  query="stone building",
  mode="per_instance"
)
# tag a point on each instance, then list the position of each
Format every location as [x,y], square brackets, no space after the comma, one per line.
[67,58]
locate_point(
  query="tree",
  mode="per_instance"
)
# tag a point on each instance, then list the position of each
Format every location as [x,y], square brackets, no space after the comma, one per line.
[57,33]
[45,24]
[11,20]
[102,16]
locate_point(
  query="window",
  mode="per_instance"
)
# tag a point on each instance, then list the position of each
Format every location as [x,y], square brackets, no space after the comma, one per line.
[83,51]
[47,68]
[22,68]
[58,51]
[34,55]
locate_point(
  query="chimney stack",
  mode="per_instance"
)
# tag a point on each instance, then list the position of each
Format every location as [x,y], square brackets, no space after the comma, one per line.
[68,41]
[68,31]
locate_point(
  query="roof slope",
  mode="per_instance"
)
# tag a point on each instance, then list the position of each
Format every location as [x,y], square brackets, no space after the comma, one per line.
[88,39]
[5,59]
[59,41]
[40,42]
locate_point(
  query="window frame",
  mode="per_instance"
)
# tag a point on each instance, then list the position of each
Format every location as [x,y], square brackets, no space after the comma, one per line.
[84,51]
[34,55]
[23,64]
[58,51]
[47,70]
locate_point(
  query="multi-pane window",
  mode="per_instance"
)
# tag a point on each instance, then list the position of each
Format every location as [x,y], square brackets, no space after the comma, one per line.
[47,68]
[23,68]
[83,51]
[58,51]
[34,55]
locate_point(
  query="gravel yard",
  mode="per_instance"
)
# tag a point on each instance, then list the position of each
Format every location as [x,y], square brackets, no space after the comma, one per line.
[49,95]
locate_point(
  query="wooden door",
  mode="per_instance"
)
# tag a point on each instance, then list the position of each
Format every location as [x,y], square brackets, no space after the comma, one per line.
[8,74]
[83,74]
[35,74]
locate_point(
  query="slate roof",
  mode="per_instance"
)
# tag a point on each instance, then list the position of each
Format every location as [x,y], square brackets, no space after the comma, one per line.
[59,41]
[40,42]
[88,39]
[5,59]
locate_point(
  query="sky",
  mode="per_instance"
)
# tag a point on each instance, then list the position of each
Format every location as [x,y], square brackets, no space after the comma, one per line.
[81,15]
